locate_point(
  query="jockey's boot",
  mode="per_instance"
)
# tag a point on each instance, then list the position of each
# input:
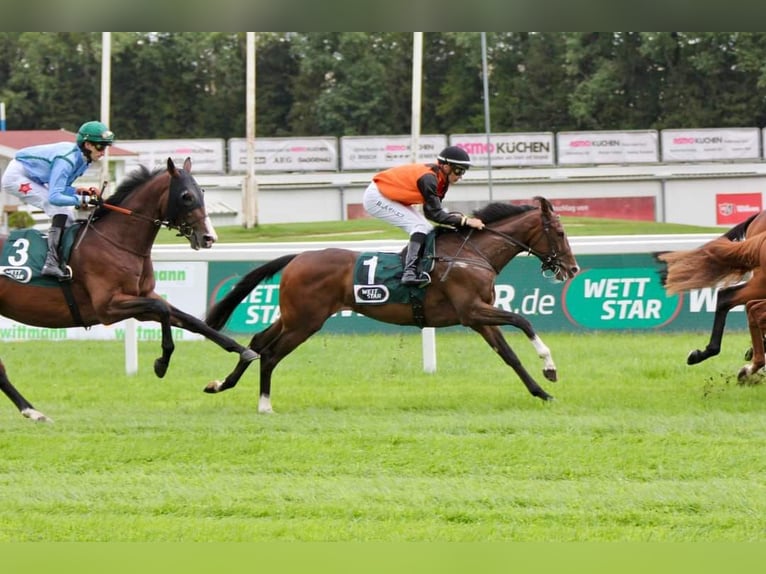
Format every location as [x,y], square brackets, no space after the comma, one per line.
[53,266]
[412,276]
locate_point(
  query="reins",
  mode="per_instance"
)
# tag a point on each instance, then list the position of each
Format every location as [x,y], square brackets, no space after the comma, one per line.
[184,229]
[549,262]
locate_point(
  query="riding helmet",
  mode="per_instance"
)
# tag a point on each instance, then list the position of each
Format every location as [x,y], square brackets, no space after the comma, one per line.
[95,132]
[454,155]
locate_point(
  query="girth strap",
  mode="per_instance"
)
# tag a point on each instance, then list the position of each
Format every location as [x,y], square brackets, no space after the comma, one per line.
[66,287]
[418,312]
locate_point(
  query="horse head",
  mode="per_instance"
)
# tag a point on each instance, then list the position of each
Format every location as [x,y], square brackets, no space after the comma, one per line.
[186,208]
[552,245]
[538,232]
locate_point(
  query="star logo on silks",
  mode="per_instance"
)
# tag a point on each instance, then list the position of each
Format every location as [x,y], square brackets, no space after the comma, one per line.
[25,188]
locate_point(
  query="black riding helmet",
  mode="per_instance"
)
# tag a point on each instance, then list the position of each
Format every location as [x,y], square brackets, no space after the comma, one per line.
[456,156]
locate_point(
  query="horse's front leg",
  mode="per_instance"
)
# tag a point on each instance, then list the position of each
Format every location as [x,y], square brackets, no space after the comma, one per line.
[486,314]
[146,309]
[494,337]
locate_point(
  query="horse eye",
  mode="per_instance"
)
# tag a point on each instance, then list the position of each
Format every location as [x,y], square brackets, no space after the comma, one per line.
[187,198]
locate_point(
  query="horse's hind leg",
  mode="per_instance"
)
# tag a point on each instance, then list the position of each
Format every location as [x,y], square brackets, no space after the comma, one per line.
[756,319]
[728,298]
[24,406]
[494,336]
[195,325]
[258,343]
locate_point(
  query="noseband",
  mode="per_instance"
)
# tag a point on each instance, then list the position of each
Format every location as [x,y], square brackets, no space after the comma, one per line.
[174,211]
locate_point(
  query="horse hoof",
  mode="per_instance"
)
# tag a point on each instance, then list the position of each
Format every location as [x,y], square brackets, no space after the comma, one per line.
[695,357]
[160,368]
[743,374]
[248,355]
[212,387]
[551,375]
[36,416]
[749,354]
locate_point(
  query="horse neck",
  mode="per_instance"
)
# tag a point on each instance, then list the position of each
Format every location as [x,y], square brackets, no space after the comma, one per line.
[135,226]
[522,228]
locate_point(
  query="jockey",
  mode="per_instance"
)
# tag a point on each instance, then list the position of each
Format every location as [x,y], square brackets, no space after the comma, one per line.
[43,176]
[392,194]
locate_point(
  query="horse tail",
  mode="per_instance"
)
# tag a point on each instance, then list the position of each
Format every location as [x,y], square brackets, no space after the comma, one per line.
[738,232]
[719,261]
[222,310]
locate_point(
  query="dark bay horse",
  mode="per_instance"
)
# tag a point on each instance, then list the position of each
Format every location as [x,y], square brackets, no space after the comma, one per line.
[112,272]
[736,261]
[316,284]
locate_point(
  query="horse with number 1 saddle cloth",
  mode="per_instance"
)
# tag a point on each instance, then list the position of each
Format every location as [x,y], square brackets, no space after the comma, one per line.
[463,264]
[23,255]
[378,276]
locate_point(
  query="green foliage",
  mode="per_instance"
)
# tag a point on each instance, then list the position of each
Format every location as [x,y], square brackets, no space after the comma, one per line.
[192,84]
[20,220]
[364,446]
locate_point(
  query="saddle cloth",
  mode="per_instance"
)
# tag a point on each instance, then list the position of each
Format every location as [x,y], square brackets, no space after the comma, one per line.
[23,255]
[377,276]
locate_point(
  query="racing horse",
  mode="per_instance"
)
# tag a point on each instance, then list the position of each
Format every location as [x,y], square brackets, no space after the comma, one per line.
[736,261]
[316,284]
[112,272]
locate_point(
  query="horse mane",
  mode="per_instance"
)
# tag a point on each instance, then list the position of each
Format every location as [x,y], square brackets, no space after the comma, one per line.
[128,185]
[497,211]
[720,261]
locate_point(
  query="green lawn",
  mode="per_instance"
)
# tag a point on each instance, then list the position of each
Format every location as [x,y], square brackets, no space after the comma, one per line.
[361,229]
[364,446]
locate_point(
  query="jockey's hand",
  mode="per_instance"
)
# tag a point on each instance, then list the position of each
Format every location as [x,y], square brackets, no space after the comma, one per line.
[474,222]
[88,196]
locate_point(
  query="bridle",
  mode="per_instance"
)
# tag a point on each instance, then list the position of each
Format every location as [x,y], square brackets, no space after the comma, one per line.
[176,197]
[550,263]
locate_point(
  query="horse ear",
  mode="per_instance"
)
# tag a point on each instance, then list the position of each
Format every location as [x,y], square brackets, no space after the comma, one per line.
[545,206]
[171,166]
[187,165]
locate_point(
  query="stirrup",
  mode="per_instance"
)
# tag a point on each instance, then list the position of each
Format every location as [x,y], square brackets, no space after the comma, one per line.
[420,280]
[56,272]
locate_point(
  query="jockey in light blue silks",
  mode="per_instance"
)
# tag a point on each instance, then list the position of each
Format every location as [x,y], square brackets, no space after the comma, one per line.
[43,176]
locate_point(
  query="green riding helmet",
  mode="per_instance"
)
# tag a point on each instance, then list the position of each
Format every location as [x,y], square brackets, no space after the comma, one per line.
[95,132]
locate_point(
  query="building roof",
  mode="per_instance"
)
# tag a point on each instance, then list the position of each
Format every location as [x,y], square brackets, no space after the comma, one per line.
[13,140]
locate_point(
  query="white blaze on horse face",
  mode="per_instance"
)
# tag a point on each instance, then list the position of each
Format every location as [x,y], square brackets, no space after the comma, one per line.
[210,230]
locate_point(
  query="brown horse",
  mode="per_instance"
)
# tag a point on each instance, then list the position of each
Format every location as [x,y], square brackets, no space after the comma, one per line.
[316,284]
[112,272]
[736,261]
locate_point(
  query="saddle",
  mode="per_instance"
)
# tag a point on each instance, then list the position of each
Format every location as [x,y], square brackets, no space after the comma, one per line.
[24,251]
[377,276]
